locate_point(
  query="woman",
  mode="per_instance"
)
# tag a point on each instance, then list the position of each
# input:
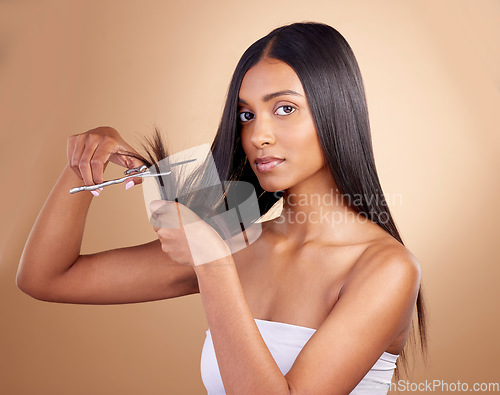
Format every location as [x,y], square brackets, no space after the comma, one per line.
[323,301]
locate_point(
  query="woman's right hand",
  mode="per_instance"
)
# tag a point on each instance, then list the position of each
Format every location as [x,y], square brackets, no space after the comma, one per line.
[89,153]
[52,267]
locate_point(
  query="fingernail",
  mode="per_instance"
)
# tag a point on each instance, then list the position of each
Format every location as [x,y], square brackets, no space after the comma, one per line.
[101,189]
[129,185]
[95,193]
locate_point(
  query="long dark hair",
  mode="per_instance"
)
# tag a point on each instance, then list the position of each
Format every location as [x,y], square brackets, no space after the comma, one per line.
[330,75]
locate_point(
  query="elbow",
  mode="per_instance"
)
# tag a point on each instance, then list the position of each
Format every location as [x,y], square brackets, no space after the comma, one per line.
[24,285]
[27,284]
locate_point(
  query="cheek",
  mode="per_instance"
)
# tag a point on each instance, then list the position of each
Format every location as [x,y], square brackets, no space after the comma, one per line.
[245,141]
[307,151]
[302,135]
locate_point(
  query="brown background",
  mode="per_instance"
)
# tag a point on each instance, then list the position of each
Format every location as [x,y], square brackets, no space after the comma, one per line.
[431,75]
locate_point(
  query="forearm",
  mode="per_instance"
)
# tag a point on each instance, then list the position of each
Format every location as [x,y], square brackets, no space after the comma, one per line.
[245,363]
[55,239]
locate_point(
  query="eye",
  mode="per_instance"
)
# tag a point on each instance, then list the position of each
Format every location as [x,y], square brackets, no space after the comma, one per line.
[285,110]
[245,116]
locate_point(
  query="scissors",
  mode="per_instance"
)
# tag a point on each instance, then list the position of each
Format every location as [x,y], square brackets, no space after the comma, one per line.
[141,171]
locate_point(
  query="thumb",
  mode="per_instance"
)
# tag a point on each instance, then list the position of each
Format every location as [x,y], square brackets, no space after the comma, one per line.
[164,214]
[155,206]
[132,163]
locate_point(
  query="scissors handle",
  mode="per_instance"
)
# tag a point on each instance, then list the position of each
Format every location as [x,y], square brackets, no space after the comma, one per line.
[101,185]
[116,181]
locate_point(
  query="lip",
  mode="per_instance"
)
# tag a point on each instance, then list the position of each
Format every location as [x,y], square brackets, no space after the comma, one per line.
[267,163]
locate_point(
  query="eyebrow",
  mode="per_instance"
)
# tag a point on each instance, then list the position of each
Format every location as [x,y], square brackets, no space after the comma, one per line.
[270,96]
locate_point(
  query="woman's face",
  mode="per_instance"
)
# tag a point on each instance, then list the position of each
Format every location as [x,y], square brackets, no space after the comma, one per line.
[278,133]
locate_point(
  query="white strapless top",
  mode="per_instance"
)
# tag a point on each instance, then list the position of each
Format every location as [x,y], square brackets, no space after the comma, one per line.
[285,341]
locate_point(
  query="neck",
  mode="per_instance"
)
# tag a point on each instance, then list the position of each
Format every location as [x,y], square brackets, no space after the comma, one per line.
[315,210]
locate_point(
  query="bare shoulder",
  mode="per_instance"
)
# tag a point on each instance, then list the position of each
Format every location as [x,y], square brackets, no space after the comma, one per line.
[389,252]
[373,314]
[388,261]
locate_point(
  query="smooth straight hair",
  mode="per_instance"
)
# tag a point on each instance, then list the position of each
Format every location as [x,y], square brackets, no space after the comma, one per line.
[330,75]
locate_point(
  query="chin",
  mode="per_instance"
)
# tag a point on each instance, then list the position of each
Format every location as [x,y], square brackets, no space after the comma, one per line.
[272,190]
[271,187]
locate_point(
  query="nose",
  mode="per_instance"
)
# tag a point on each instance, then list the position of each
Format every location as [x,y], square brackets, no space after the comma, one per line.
[262,133]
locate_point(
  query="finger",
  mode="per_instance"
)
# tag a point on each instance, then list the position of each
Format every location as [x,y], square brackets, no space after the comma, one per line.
[136,180]
[133,181]
[121,158]
[163,222]
[98,162]
[163,215]
[91,143]
[156,205]
[70,148]
[155,208]
[168,238]
[178,207]
[75,149]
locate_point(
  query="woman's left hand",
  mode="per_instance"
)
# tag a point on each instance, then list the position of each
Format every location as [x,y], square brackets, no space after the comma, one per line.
[184,236]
